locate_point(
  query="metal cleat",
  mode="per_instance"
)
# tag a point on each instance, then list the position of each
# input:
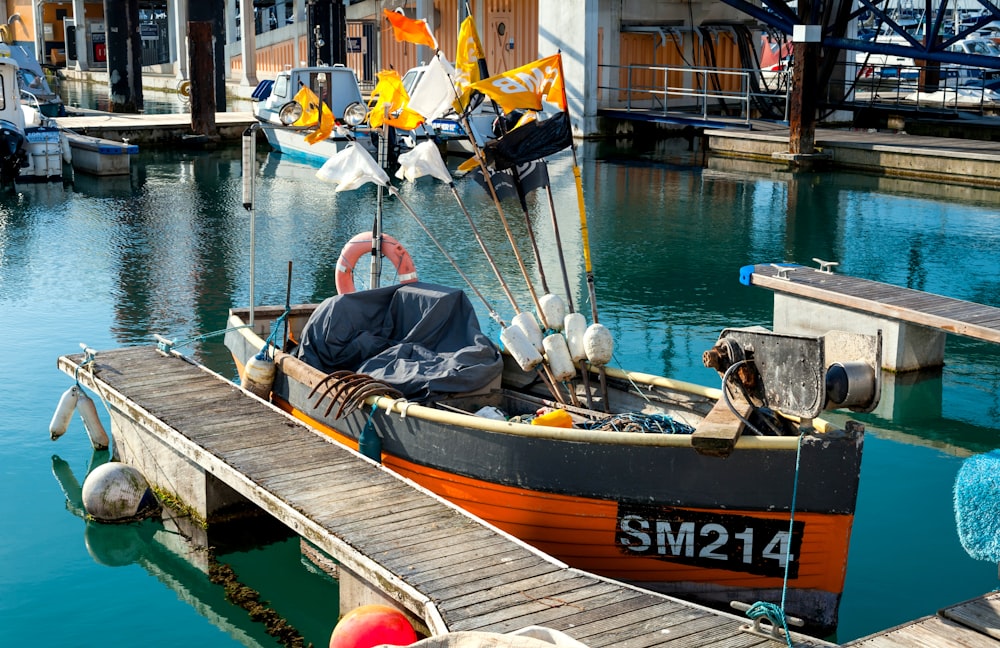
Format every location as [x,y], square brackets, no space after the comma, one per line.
[826,266]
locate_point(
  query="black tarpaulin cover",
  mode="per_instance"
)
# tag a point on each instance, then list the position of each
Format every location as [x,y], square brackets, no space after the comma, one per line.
[420,338]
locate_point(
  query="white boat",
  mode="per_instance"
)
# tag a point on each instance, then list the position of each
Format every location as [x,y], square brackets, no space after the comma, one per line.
[337,87]
[449,130]
[13,154]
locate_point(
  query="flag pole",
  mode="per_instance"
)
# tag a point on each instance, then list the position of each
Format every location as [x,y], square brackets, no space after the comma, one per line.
[581,206]
[544,373]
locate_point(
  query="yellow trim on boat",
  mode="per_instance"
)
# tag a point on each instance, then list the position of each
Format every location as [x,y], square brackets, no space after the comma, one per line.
[566,434]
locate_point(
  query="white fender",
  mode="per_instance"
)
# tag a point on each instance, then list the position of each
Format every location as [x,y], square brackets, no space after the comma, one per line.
[517,344]
[599,344]
[64,412]
[529,326]
[67,152]
[258,376]
[575,326]
[552,311]
[92,422]
[557,355]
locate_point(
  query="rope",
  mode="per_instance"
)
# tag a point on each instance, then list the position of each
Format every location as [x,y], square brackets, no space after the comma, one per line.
[166,346]
[762,609]
[638,422]
[774,614]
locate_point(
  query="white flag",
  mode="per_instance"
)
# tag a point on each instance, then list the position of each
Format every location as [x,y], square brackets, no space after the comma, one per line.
[423,159]
[352,167]
[435,92]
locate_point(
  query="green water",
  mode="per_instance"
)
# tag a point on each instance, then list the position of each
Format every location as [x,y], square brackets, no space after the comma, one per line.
[110,262]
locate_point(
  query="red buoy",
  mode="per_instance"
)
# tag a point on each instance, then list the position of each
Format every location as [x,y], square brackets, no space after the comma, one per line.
[373,625]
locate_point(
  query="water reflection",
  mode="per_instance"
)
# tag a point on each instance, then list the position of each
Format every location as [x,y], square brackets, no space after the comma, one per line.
[169,551]
[165,251]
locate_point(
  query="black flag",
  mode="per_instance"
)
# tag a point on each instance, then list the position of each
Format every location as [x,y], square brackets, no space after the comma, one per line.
[533,175]
[531,141]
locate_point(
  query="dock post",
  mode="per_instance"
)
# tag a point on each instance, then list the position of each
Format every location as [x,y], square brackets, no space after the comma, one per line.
[905,346]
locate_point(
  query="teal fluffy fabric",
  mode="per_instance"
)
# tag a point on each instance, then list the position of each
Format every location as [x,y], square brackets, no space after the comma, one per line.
[977,505]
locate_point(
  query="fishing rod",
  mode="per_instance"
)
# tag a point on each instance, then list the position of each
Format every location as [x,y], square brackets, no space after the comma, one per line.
[514,337]
[600,336]
[523,319]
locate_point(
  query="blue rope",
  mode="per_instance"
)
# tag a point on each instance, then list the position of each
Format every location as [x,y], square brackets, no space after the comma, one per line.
[762,609]
[771,612]
[167,346]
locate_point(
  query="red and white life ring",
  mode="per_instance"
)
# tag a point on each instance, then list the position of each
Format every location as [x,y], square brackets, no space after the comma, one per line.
[361,245]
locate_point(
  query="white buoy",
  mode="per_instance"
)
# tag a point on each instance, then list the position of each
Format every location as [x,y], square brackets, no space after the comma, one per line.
[258,376]
[115,492]
[598,343]
[517,344]
[92,422]
[64,412]
[553,311]
[557,355]
[575,327]
[529,326]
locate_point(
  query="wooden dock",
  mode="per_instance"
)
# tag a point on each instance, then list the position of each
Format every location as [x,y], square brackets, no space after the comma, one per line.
[152,129]
[947,314]
[971,624]
[448,569]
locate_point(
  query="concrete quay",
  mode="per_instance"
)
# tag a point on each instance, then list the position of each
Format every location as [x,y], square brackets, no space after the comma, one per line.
[943,159]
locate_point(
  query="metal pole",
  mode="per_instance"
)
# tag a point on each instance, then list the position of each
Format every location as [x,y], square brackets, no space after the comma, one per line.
[249,188]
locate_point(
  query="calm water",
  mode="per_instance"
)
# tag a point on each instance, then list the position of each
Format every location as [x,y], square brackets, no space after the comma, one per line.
[110,262]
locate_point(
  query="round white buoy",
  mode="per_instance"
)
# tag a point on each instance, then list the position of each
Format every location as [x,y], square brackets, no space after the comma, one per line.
[529,326]
[92,422]
[258,376]
[552,311]
[64,412]
[599,344]
[115,492]
[575,327]
[557,355]
[517,344]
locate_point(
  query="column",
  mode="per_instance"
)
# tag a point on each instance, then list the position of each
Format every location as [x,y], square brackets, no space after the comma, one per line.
[571,26]
[82,36]
[248,44]
[179,15]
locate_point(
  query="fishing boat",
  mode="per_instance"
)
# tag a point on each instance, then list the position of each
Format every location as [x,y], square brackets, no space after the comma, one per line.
[13,152]
[305,97]
[639,487]
[737,494]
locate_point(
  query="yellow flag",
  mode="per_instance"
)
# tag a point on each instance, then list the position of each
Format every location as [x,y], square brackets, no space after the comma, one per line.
[526,86]
[310,103]
[391,103]
[469,53]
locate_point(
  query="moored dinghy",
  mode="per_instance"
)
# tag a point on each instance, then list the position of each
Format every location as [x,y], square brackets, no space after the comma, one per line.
[718,495]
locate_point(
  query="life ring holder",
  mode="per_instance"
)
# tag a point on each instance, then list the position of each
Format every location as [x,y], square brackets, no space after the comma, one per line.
[361,245]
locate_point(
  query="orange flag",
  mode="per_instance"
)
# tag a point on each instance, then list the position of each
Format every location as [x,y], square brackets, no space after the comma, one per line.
[391,103]
[311,115]
[410,30]
[525,87]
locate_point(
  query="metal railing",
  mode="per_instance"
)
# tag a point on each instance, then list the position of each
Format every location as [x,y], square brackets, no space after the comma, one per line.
[741,95]
[689,92]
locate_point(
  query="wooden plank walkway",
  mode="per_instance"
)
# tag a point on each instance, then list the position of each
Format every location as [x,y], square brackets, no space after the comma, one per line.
[151,128]
[971,624]
[880,299]
[447,567]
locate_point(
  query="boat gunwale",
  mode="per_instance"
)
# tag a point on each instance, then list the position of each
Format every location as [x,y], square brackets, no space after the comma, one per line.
[238,325]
